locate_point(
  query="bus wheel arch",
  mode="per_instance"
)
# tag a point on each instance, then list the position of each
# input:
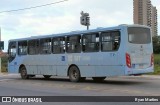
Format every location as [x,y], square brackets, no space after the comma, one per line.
[74,73]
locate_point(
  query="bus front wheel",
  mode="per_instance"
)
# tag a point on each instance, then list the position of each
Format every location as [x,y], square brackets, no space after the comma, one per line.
[74,74]
[24,74]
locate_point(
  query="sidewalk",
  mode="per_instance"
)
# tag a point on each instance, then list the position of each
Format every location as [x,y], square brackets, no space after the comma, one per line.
[8,74]
[1,73]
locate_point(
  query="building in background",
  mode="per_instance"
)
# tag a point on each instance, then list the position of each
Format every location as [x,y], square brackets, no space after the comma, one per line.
[154,21]
[145,14]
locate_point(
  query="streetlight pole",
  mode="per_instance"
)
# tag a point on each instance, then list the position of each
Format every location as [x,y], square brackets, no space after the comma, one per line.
[87,27]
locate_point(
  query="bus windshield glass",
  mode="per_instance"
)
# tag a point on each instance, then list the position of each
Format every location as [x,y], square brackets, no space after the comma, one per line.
[138,35]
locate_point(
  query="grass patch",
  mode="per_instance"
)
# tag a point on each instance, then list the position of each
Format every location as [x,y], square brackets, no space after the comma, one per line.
[156,69]
[156,64]
[156,58]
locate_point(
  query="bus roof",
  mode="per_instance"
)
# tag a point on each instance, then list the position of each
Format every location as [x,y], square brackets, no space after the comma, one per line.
[78,32]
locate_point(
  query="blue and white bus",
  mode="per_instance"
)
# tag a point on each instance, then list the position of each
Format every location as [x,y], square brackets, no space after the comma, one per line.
[97,53]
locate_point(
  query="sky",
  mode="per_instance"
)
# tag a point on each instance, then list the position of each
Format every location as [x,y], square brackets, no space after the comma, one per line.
[62,17]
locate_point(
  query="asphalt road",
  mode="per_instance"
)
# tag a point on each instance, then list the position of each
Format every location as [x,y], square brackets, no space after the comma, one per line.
[13,85]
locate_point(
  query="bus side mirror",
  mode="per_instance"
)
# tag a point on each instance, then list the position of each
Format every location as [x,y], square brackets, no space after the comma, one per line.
[1,45]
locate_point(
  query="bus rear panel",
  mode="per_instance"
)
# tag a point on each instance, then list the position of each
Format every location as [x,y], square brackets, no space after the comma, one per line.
[139,54]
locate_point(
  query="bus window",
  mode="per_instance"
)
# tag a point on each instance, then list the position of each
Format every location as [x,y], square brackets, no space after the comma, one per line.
[33,47]
[74,44]
[58,45]
[91,43]
[110,41]
[139,35]
[45,46]
[12,51]
[116,40]
[22,48]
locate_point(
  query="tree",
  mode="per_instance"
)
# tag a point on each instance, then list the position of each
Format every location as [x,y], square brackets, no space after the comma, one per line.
[156,44]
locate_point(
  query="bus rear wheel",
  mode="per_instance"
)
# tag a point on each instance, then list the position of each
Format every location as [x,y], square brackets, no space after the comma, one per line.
[23,72]
[74,74]
[98,79]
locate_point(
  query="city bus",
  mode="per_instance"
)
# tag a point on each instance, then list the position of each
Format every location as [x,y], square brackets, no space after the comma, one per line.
[122,50]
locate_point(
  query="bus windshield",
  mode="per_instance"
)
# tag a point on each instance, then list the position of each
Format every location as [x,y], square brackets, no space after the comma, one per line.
[138,35]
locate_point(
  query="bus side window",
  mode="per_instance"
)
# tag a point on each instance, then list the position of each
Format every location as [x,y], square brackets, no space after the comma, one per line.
[33,47]
[74,44]
[22,48]
[110,41]
[45,46]
[91,42]
[58,45]
[116,40]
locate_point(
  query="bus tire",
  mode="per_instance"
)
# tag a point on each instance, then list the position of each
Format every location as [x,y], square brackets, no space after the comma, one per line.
[23,72]
[74,74]
[46,76]
[98,79]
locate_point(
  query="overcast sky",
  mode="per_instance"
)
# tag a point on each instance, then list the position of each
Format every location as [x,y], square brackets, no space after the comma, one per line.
[63,17]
